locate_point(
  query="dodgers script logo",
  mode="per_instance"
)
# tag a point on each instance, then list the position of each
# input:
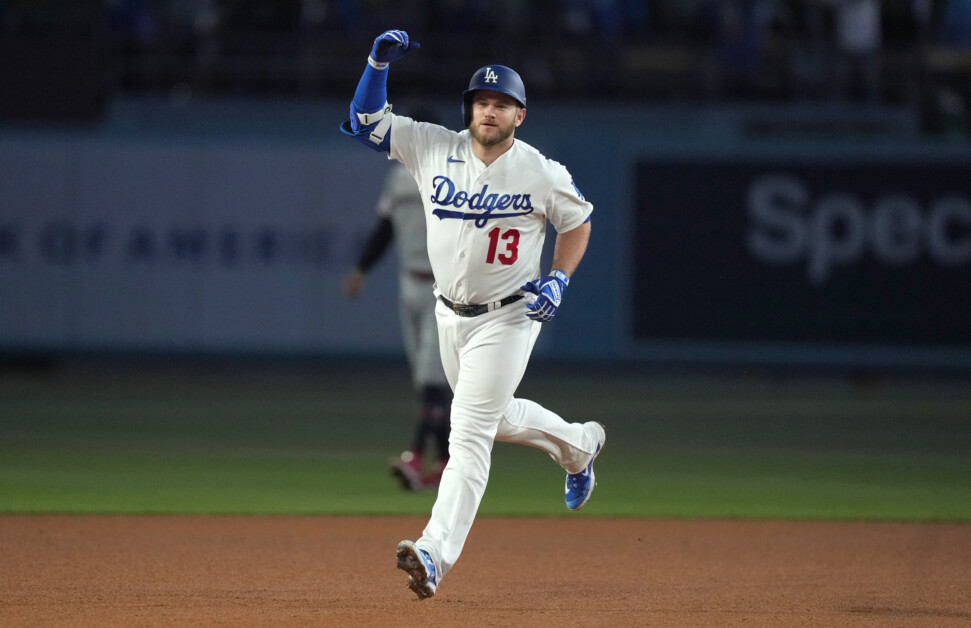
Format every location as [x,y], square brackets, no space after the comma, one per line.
[482,203]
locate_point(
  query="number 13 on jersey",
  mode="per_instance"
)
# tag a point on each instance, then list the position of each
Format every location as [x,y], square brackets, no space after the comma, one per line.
[503,246]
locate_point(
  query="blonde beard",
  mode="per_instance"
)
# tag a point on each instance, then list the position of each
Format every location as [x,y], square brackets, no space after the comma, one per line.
[503,134]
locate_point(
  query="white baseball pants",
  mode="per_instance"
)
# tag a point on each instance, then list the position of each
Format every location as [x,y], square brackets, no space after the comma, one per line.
[485,358]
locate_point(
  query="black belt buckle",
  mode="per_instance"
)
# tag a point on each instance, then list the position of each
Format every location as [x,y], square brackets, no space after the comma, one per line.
[468,310]
[471,310]
[461,309]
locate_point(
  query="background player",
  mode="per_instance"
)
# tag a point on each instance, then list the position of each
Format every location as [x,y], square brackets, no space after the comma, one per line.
[488,198]
[401,217]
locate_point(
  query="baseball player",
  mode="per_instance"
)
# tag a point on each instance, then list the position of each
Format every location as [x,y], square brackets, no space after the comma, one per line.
[487,199]
[401,217]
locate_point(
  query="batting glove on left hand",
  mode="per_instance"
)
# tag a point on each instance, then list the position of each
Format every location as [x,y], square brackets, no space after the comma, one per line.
[392,45]
[549,291]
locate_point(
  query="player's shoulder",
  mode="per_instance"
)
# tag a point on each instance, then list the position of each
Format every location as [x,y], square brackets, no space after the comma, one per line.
[427,129]
[529,154]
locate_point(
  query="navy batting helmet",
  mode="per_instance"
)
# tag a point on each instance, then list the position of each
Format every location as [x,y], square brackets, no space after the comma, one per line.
[498,78]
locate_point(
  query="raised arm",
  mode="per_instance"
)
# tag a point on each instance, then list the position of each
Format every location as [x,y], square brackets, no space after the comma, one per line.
[368,123]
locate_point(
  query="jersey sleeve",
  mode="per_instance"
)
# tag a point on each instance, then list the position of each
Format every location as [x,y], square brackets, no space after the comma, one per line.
[412,141]
[568,208]
[404,146]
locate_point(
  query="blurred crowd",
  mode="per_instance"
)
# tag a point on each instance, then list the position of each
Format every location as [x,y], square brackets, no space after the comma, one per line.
[611,21]
[866,49]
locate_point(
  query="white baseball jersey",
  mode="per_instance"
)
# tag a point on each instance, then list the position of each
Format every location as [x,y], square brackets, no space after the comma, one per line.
[486,225]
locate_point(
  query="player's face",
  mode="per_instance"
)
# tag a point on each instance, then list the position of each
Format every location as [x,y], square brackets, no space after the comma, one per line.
[495,117]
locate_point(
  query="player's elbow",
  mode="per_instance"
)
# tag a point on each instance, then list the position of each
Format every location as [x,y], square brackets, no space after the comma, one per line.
[367,135]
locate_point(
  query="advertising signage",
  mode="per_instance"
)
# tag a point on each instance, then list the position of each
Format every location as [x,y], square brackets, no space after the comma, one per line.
[803,252]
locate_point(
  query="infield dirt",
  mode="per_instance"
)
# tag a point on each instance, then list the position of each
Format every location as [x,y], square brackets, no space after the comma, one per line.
[67,570]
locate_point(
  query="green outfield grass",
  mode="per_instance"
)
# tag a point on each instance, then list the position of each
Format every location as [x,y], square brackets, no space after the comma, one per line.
[282,440]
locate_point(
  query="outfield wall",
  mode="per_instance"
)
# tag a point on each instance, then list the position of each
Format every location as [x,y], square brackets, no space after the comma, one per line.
[226,227]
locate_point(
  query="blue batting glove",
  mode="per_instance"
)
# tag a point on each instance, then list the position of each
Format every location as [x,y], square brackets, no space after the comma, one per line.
[549,291]
[392,45]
